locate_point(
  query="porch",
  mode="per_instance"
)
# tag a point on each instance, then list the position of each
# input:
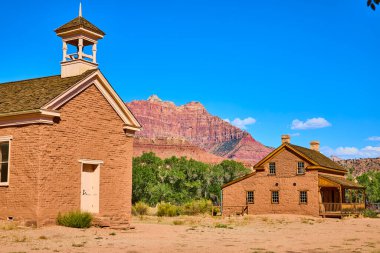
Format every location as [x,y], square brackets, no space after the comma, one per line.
[339,197]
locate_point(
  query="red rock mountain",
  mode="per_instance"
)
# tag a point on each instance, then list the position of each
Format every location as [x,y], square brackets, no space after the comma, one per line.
[360,165]
[189,130]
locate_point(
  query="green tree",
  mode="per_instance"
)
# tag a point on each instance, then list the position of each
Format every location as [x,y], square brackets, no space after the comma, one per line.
[145,170]
[371,180]
[180,180]
[373,3]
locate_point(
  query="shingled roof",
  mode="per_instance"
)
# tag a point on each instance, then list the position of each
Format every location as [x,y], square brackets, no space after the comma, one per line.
[342,181]
[33,94]
[318,157]
[79,22]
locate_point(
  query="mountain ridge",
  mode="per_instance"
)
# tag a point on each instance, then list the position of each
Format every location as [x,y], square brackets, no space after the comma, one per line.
[193,123]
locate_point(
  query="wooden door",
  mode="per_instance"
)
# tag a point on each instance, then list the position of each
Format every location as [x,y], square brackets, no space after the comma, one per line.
[90,188]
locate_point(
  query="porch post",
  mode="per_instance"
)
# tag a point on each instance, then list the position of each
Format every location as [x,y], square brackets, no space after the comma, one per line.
[321,206]
[340,193]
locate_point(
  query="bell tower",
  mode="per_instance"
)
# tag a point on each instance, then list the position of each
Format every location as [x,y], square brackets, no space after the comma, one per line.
[80,34]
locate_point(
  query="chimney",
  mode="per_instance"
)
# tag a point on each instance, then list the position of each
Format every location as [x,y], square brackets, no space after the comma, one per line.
[314,145]
[285,138]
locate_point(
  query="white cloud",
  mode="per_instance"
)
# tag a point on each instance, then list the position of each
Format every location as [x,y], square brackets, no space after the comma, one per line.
[352,152]
[374,138]
[295,134]
[242,123]
[310,124]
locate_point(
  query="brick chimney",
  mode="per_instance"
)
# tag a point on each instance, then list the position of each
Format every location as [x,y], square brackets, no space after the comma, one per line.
[285,138]
[314,145]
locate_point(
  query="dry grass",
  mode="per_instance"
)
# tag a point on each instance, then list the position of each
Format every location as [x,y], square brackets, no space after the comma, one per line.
[78,245]
[260,233]
[19,239]
[178,222]
[10,225]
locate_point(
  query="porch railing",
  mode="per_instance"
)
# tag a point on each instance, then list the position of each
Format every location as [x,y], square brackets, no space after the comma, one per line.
[374,206]
[238,210]
[341,207]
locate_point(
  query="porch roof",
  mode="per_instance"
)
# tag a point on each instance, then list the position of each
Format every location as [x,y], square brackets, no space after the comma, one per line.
[341,181]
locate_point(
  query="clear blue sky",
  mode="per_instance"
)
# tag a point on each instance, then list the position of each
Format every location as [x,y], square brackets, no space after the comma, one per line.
[273,61]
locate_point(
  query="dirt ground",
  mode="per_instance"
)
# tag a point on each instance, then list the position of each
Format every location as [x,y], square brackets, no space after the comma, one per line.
[264,233]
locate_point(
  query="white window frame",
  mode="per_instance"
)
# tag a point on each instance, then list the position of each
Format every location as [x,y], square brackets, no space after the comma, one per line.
[253,197]
[278,197]
[306,198]
[298,168]
[274,167]
[7,139]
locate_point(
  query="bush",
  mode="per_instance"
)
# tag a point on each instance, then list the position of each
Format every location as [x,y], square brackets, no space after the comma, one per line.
[197,207]
[75,219]
[221,225]
[134,212]
[140,208]
[369,213]
[167,209]
[216,211]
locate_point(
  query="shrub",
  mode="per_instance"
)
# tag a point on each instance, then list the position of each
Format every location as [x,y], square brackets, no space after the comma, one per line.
[197,207]
[216,211]
[221,225]
[134,212]
[75,219]
[369,213]
[167,209]
[140,208]
[178,222]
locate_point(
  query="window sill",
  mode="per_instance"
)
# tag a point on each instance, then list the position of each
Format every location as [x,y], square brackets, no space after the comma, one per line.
[4,184]
[271,175]
[300,174]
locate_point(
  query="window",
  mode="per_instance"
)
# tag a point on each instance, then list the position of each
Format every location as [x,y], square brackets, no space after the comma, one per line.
[303,197]
[4,162]
[275,197]
[250,197]
[272,168]
[301,168]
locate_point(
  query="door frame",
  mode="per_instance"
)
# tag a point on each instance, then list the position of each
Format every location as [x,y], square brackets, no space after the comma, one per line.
[92,162]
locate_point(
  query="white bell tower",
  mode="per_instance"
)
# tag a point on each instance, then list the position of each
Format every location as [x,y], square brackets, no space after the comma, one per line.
[79,33]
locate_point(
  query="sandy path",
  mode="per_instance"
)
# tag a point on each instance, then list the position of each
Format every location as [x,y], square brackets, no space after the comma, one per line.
[269,233]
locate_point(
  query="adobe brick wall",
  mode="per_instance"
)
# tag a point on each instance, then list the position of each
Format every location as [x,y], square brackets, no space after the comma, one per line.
[19,199]
[45,174]
[89,129]
[262,184]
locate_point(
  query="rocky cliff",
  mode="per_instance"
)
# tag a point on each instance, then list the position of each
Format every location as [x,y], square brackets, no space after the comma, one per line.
[361,165]
[197,128]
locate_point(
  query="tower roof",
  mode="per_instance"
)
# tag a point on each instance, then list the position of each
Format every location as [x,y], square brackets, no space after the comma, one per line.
[79,22]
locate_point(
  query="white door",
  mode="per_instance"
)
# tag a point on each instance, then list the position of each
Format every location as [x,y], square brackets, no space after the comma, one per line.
[90,188]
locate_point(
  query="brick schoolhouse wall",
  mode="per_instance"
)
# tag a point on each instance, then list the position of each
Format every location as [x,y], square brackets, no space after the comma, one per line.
[19,199]
[89,129]
[289,184]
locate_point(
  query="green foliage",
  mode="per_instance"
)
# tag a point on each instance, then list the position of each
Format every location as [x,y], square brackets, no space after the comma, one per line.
[371,180]
[373,3]
[140,208]
[221,225]
[197,207]
[167,209]
[369,213]
[75,219]
[180,180]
